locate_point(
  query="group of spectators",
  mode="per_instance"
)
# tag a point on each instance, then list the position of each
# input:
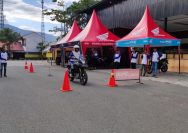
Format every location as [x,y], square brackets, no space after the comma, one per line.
[3,62]
[154,57]
[95,59]
[145,57]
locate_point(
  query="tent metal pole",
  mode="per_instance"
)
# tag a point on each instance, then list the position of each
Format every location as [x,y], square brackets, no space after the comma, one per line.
[166,24]
[113,21]
[147,48]
[63,54]
[179,59]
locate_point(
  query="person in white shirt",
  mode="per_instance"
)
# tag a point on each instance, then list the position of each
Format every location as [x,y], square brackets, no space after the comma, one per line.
[144,63]
[117,59]
[4,58]
[134,58]
[155,59]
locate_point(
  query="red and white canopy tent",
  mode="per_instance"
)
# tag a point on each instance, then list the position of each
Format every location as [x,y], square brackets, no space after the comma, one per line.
[148,33]
[74,31]
[94,34]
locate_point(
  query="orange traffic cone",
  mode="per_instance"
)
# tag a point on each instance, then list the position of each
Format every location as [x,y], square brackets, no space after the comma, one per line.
[112,81]
[66,85]
[31,70]
[26,66]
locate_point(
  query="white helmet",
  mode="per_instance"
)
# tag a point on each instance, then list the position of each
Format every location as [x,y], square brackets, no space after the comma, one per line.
[76,46]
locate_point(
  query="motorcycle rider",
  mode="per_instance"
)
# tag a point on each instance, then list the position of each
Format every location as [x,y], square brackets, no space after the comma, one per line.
[73,57]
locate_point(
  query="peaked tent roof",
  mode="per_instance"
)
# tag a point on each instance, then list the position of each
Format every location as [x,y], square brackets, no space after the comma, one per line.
[74,31]
[95,32]
[147,32]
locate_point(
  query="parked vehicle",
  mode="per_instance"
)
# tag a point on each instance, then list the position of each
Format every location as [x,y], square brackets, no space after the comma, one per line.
[162,66]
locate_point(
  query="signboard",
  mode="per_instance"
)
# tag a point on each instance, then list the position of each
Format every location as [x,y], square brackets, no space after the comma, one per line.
[49,55]
[127,74]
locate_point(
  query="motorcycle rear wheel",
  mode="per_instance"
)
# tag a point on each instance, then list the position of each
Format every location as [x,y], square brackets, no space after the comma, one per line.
[149,69]
[164,68]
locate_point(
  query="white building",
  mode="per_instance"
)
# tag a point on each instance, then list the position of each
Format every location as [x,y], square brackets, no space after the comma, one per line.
[31,42]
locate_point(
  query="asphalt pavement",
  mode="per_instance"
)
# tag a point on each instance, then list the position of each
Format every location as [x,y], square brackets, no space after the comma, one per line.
[34,103]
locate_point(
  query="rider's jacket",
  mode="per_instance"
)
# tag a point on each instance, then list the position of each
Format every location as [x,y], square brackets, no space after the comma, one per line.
[74,56]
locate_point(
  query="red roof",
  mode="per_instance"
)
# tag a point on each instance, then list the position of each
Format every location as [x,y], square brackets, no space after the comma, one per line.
[16,47]
[95,32]
[147,28]
[75,30]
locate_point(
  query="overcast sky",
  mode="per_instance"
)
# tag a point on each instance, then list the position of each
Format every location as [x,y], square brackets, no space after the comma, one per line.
[26,14]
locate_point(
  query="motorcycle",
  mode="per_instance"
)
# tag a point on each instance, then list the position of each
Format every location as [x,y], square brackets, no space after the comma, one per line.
[162,66]
[79,71]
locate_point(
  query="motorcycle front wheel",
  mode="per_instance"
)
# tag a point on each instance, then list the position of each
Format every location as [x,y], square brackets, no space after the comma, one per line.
[71,78]
[83,78]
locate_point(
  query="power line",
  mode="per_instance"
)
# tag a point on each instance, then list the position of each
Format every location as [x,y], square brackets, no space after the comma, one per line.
[8,2]
[1,15]
[42,22]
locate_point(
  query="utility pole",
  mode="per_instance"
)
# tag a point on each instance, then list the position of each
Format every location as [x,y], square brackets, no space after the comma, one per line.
[1,15]
[42,23]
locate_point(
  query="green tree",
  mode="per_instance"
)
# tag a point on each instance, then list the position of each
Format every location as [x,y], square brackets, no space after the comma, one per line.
[2,37]
[58,15]
[41,47]
[68,15]
[9,36]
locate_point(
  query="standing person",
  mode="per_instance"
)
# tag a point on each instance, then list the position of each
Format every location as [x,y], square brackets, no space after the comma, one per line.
[144,58]
[155,59]
[88,57]
[4,57]
[134,58]
[95,58]
[117,59]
